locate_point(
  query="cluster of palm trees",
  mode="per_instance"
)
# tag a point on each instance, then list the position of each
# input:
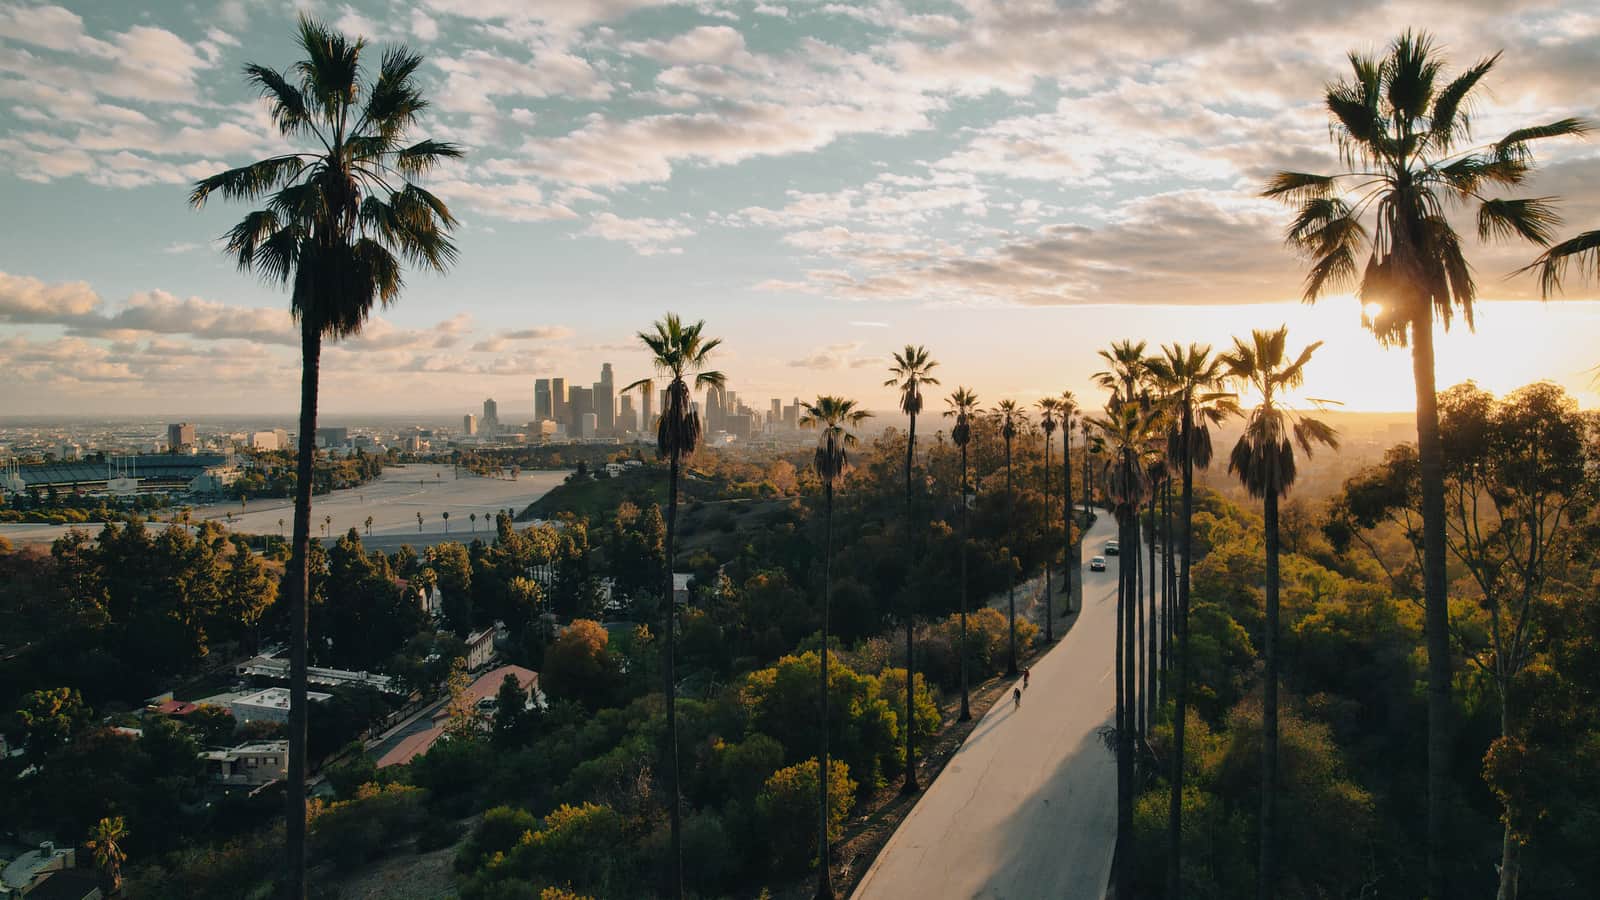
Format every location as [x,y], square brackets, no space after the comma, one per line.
[339,219]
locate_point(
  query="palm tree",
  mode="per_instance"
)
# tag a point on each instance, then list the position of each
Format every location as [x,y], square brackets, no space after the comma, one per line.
[1048,407]
[1008,417]
[419,523]
[1126,427]
[1193,380]
[473,518]
[337,217]
[1400,138]
[911,370]
[679,353]
[1125,372]
[1264,460]
[280,528]
[105,842]
[1091,448]
[963,405]
[1067,408]
[446,515]
[369,526]
[833,416]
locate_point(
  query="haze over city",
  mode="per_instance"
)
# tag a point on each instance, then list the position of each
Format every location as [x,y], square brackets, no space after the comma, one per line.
[1006,184]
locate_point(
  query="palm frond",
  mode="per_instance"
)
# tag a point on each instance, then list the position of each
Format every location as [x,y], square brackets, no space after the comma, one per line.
[1533,219]
[1584,250]
[1452,109]
[1515,144]
[417,159]
[287,106]
[1299,187]
[248,182]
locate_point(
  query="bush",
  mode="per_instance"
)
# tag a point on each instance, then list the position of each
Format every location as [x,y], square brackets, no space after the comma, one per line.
[356,831]
[501,829]
[583,847]
[438,833]
[788,808]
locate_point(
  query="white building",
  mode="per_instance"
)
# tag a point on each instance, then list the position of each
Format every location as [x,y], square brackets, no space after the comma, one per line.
[270,705]
[249,764]
[480,648]
[276,439]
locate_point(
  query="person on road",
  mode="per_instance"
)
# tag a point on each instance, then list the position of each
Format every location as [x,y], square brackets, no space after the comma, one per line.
[1016,698]
[1026,675]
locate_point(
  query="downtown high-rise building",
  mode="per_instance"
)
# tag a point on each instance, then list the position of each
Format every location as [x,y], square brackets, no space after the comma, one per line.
[179,436]
[490,423]
[469,425]
[605,400]
[626,420]
[580,403]
[558,401]
[647,419]
[542,410]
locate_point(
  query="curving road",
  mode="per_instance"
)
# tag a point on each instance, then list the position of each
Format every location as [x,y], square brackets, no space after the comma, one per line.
[1027,807]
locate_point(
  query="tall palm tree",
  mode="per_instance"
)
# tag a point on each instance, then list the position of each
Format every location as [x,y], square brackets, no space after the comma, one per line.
[1125,426]
[1124,376]
[1067,408]
[963,405]
[105,842]
[1009,417]
[446,515]
[336,220]
[1264,460]
[680,353]
[369,526]
[1048,408]
[833,417]
[1404,141]
[911,370]
[1090,450]
[473,519]
[1193,380]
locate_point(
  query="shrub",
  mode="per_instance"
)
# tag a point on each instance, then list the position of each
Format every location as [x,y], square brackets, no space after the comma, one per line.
[356,831]
[788,808]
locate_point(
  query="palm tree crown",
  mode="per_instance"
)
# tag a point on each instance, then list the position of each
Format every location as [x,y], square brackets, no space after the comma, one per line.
[910,372]
[1264,457]
[834,417]
[337,215]
[1192,380]
[679,352]
[1400,137]
[963,405]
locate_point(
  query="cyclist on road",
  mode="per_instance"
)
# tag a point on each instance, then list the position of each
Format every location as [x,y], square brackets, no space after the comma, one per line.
[1016,697]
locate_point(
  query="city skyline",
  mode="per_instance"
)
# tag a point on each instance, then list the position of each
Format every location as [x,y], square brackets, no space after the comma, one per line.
[822,185]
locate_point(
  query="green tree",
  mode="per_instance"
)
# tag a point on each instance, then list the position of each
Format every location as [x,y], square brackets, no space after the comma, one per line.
[679,353]
[912,370]
[578,666]
[334,226]
[833,417]
[1192,380]
[1400,132]
[247,593]
[1008,418]
[49,720]
[963,405]
[783,803]
[1264,461]
[511,714]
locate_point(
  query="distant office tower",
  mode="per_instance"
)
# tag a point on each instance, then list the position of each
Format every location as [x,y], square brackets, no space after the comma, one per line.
[469,424]
[605,400]
[179,436]
[580,402]
[490,424]
[738,424]
[542,410]
[588,425]
[646,402]
[332,436]
[626,420]
[714,408]
[558,400]
[776,416]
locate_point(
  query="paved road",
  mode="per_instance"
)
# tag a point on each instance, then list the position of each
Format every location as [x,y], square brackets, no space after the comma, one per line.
[1027,807]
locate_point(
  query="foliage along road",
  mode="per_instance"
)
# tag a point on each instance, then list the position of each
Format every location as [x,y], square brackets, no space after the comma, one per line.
[1027,807]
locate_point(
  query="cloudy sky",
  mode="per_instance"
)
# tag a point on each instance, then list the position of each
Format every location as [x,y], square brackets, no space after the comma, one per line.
[1013,184]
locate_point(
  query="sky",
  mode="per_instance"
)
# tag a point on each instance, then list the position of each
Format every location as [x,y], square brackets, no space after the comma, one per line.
[1012,184]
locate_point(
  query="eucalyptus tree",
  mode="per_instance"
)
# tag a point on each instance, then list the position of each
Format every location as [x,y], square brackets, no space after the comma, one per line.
[1067,409]
[1008,418]
[963,406]
[1049,407]
[337,219]
[1264,460]
[680,354]
[1407,157]
[912,370]
[833,417]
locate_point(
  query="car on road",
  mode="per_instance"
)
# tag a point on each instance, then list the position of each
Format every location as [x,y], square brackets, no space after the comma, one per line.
[1098,564]
[1113,548]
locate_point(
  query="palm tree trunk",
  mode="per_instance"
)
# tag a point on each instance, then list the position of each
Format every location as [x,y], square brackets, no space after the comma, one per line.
[299,590]
[1069,559]
[1266,874]
[1049,593]
[1430,458]
[824,875]
[1127,600]
[966,709]
[1157,624]
[911,785]
[1181,693]
[1011,573]
[1142,630]
[669,676]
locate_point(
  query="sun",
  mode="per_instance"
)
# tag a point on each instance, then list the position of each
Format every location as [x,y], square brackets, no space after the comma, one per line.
[1371,309]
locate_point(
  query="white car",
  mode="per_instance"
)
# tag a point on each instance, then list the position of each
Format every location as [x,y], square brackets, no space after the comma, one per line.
[1098,564]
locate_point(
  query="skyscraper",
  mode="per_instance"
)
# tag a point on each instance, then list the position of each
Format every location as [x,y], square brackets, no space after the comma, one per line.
[626,421]
[605,406]
[491,418]
[469,424]
[542,409]
[646,421]
[580,402]
[179,436]
[558,400]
